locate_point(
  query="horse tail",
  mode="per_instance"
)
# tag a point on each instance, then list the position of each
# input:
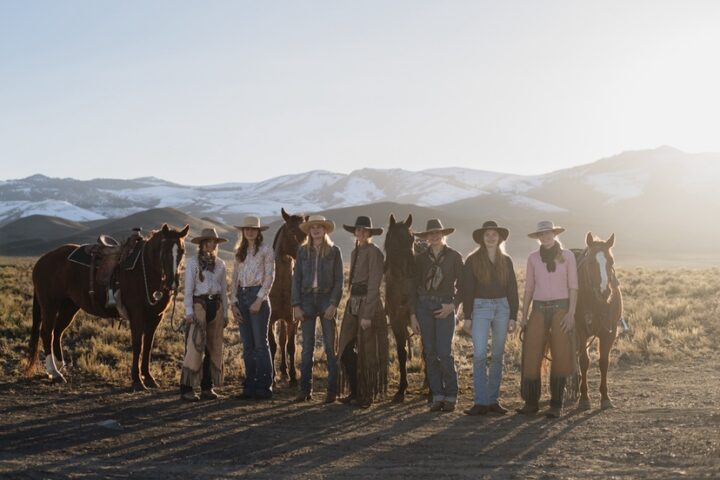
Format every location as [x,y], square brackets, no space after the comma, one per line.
[34,351]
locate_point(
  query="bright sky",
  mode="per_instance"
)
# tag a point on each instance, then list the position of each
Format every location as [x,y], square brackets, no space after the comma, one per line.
[212,92]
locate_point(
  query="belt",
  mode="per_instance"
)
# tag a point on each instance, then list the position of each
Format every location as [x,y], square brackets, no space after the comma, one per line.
[211,297]
[551,303]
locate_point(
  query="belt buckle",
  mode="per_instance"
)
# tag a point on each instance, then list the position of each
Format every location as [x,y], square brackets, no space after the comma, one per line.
[211,296]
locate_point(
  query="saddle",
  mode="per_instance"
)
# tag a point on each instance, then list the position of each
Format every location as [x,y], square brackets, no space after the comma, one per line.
[106,255]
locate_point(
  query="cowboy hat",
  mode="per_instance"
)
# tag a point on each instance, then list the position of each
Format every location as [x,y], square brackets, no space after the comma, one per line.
[490,225]
[435,225]
[317,220]
[252,221]
[546,226]
[208,234]
[363,222]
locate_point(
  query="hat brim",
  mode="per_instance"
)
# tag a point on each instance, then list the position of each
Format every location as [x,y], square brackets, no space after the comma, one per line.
[444,231]
[197,240]
[478,233]
[262,229]
[373,231]
[556,231]
[328,224]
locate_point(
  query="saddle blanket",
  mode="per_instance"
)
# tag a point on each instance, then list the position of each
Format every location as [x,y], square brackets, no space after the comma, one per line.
[81,256]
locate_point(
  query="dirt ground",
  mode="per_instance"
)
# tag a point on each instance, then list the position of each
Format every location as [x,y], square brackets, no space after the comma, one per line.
[665,424]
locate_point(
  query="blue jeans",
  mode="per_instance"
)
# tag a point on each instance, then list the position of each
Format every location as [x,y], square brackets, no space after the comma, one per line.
[256,349]
[313,306]
[437,338]
[488,314]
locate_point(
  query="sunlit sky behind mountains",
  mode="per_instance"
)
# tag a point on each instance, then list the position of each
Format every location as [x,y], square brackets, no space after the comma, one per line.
[201,93]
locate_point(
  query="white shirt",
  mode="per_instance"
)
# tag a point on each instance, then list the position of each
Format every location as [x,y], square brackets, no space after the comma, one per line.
[214,283]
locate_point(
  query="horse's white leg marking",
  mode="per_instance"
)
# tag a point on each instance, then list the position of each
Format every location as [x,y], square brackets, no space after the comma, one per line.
[602,262]
[51,366]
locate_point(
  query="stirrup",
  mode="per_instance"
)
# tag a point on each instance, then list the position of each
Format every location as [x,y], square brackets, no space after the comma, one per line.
[111,302]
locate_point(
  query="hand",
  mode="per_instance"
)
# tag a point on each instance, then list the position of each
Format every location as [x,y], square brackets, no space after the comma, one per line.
[298,313]
[365,323]
[467,327]
[414,324]
[511,326]
[522,323]
[237,315]
[255,307]
[330,312]
[445,310]
[189,319]
[568,322]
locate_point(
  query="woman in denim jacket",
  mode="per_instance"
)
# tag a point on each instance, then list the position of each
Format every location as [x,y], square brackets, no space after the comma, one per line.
[316,291]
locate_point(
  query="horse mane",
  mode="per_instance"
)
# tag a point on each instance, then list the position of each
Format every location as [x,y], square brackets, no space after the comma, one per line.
[276,239]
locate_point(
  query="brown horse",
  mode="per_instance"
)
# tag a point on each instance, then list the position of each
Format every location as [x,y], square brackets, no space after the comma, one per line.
[399,266]
[285,244]
[61,289]
[599,308]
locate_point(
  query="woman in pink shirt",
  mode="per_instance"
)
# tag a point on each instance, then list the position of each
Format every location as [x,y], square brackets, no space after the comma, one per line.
[551,284]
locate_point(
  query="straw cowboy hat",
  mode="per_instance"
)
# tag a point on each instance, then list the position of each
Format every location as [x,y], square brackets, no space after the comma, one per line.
[490,225]
[317,220]
[208,234]
[435,225]
[366,223]
[251,221]
[546,226]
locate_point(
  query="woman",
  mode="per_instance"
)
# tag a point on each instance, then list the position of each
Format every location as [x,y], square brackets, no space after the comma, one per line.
[205,316]
[551,285]
[363,334]
[316,291]
[434,299]
[253,276]
[490,304]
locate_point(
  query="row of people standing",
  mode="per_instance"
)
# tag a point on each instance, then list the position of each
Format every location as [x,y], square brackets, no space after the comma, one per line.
[485,284]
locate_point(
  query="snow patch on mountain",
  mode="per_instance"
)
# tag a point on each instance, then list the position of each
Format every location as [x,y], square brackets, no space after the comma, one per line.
[56,208]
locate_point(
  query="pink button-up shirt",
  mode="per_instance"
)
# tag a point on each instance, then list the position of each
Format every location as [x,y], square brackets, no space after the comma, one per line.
[544,285]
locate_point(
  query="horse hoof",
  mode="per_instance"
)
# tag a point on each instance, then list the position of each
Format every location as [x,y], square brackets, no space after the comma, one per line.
[150,382]
[399,397]
[606,404]
[584,404]
[58,379]
[139,387]
[293,382]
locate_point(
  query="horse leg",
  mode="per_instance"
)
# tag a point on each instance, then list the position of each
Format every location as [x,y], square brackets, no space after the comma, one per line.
[584,402]
[49,314]
[65,317]
[400,334]
[606,341]
[137,340]
[148,338]
[291,333]
[273,348]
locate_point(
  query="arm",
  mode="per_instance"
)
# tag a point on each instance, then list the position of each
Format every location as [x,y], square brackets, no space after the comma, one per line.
[529,290]
[297,279]
[512,291]
[457,273]
[468,289]
[190,275]
[375,274]
[223,289]
[338,278]
[234,282]
[269,276]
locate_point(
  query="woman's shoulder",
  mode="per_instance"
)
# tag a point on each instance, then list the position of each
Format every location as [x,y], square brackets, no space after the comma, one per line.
[191,262]
[454,253]
[266,248]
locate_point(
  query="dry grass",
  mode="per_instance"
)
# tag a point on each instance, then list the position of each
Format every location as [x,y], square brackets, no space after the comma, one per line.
[673,313]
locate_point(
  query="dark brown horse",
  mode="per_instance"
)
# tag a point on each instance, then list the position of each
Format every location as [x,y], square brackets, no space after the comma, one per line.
[62,288]
[285,244]
[599,308]
[399,266]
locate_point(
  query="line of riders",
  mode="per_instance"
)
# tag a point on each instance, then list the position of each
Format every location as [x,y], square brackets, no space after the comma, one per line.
[485,284]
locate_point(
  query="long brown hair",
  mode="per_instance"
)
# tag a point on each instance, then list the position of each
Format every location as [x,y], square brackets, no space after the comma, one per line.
[325,248]
[200,253]
[482,266]
[241,249]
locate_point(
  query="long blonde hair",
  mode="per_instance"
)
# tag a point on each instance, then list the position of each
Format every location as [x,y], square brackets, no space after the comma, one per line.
[482,266]
[325,248]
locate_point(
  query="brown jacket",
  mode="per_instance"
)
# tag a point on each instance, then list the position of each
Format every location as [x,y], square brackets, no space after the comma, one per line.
[368,270]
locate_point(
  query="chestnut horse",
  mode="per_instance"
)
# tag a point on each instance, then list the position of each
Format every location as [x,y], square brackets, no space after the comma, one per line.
[399,267]
[599,308]
[61,289]
[285,244]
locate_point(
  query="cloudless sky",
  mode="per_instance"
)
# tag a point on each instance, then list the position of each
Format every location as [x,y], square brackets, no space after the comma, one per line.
[211,92]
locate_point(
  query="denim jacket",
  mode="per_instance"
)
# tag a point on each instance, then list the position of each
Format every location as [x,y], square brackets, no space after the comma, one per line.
[330,274]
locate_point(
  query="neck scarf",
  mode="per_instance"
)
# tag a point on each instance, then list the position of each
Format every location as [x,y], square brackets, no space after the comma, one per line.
[548,256]
[206,262]
[434,275]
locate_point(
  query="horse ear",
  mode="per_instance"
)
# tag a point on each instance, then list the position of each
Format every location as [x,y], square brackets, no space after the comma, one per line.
[285,215]
[610,241]
[184,231]
[408,220]
[392,219]
[165,228]
[589,239]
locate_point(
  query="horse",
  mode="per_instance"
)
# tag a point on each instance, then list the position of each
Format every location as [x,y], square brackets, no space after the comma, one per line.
[61,290]
[599,308]
[285,244]
[399,268]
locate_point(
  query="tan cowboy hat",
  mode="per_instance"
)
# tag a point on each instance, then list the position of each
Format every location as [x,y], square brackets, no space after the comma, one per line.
[435,225]
[546,226]
[317,220]
[208,234]
[251,221]
[366,223]
[490,225]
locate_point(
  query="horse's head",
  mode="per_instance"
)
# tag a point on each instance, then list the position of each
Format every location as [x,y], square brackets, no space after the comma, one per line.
[599,262]
[289,237]
[167,245]
[399,239]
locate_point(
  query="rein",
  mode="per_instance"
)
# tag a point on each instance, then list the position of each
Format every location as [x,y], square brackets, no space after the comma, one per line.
[158,295]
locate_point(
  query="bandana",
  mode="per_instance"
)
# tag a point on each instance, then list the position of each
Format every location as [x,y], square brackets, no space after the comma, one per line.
[434,275]
[548,256]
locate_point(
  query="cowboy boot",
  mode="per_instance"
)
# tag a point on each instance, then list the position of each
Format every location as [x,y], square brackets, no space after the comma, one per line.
[557,389]
[530,392]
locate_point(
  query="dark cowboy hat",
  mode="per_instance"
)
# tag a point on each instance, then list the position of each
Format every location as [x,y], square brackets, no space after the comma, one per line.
[208,234]
[490,225]
[435,225]
[363,222]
